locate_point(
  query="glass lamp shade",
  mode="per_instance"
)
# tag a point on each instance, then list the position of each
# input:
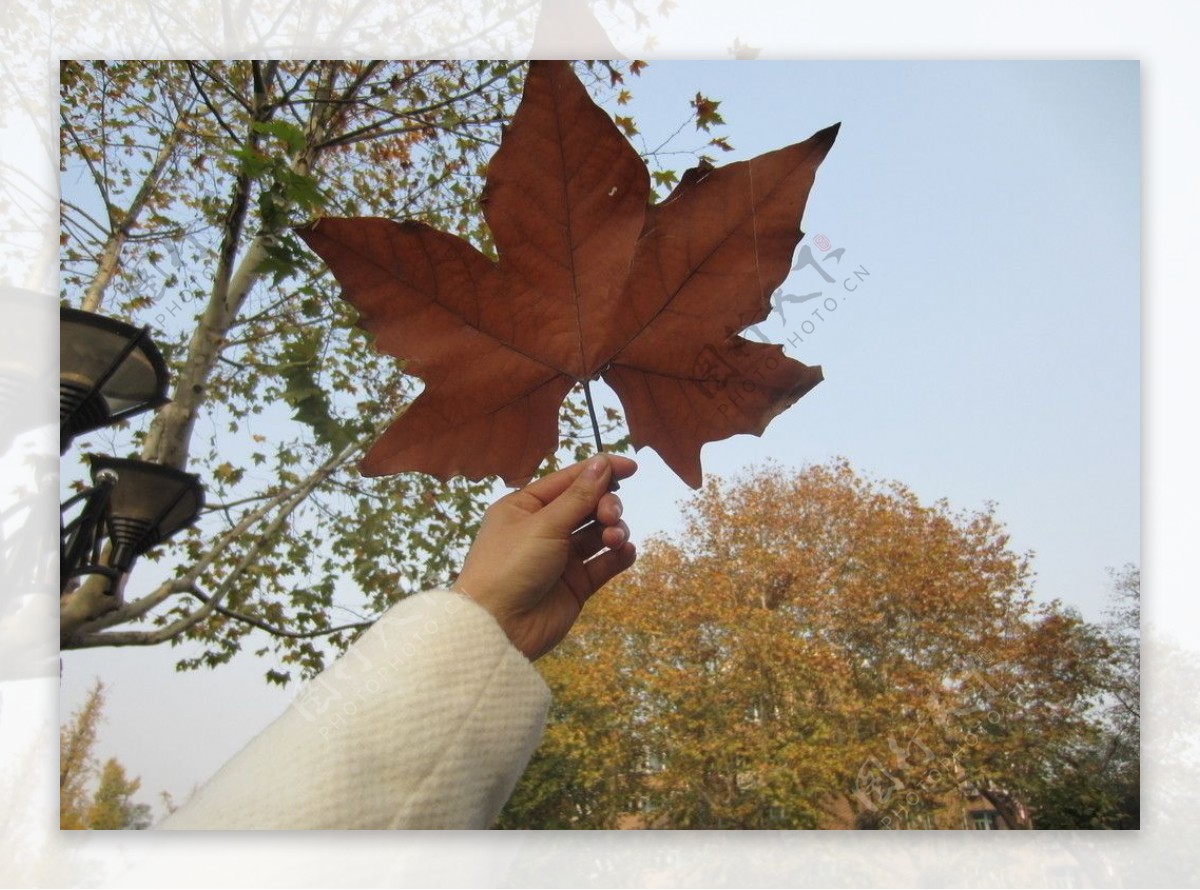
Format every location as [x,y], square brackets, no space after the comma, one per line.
[108,370]
[149,504]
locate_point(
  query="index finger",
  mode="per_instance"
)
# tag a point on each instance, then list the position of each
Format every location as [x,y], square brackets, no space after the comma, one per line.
[548,488]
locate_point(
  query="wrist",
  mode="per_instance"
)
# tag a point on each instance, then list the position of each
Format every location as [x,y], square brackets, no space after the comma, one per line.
[479,596]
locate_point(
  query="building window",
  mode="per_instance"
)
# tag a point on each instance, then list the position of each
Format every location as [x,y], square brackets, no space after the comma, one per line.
[983,820]
[920,822]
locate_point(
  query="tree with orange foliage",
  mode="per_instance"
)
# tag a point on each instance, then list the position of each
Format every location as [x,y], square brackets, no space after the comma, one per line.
[816,649]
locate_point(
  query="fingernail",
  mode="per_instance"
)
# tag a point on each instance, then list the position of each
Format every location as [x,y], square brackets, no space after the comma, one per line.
[618,509]
[621,536]
[595,466]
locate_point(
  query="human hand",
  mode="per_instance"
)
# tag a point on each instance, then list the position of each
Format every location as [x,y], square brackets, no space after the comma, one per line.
[537,557]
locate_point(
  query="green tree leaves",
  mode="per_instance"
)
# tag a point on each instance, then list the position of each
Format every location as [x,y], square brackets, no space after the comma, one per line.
[1095,783]
[180,184]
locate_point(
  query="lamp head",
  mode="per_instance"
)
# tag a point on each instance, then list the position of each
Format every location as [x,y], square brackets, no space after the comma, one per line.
[108,371]
[149,504]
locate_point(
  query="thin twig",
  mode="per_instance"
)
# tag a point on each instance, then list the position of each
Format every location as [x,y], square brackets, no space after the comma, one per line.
[271,629]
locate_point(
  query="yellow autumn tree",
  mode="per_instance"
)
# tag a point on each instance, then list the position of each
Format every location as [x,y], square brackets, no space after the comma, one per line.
[110,806]
[76,764]
[816,649]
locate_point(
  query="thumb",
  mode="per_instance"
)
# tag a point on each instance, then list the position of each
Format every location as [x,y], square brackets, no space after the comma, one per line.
[569,510]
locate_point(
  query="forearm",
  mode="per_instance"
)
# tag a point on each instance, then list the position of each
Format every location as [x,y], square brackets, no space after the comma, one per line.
[426,722]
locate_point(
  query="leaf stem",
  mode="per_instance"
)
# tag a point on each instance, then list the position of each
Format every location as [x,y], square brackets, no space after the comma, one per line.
[587,394]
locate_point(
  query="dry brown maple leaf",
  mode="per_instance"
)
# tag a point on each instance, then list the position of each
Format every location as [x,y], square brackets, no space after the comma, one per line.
[592,280]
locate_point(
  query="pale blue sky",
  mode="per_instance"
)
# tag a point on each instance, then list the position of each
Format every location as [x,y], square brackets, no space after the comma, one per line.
[991,354]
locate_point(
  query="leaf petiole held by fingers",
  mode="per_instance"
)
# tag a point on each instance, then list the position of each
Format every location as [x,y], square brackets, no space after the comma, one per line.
[587,394]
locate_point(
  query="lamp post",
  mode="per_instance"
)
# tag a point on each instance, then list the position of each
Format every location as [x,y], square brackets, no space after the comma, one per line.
[111,370]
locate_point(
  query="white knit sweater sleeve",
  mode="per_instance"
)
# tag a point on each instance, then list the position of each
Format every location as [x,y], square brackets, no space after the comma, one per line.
[427,721]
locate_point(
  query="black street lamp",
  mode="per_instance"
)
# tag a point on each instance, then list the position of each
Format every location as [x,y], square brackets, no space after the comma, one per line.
[111,370]
[149,504]
[108,371]
[133,504]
